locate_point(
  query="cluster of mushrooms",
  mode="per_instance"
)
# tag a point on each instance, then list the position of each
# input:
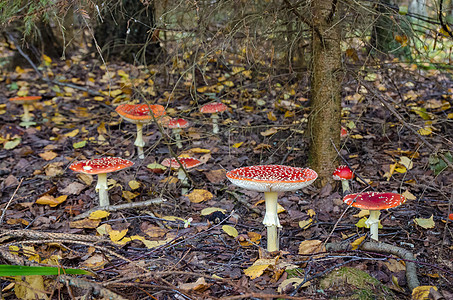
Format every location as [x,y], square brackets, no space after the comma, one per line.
[269,179]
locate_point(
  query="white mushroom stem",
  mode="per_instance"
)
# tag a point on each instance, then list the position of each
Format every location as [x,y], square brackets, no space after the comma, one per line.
[102,189]
[176,132]
[139,142]
[271,221]
[26,117]
[373,223]
[215,125]
[184,182]
[345,186]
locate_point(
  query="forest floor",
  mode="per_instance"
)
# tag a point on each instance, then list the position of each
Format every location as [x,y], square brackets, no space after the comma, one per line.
[197,246]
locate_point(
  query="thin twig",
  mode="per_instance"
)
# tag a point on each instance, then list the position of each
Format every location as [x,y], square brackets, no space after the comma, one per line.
[9,202]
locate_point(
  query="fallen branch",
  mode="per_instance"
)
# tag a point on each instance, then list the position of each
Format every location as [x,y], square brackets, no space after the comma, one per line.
[407,256]
[96,288]
[113,208]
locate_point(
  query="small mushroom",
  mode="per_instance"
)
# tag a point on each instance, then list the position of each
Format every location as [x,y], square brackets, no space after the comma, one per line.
[176,126]
[343,132]
[187,163]
[344,174]
[100,167]
[271,179]
[214,109]
[140,114]
[26,102]
[374,202]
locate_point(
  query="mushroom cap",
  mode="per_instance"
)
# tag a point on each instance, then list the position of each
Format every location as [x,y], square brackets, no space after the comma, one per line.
[177,123]
[140,113]
[374,200]
[343,132]
[450,216]
[212,108]
[272,178]
[187,162]
[25,99]
[342,173]
[100,165]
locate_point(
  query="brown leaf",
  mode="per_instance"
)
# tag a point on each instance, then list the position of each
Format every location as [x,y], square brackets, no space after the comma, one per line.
[199,195]
[85,223]
[48,155]
[216,176]
[73,189]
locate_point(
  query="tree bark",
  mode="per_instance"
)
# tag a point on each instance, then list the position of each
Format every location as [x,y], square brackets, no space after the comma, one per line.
[127,32]
[326,78]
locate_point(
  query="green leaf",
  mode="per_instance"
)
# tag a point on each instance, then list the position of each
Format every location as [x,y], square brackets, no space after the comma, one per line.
[12,144]
[9,270]
[403,10]
[79,144]
[437,164]
[425,223]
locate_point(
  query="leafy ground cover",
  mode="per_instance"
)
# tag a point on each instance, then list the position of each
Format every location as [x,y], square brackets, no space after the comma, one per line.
[206,244]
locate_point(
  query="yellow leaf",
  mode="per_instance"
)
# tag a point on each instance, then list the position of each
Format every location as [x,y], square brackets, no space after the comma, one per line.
[210,210]
[199,150]
[72,133]
[237,70]
[361,223]
[113,93]
[280,208]
[133,184]
[400,169]
[202,89]
[237,145]
[258,267]
[199,195]
[99,98]
[172,218]
[289,114]
[48,155]
[362,213]
[305,223]
[355,244]
[50,200]
[116,235]
[101,128]
[271,116]
[46,59]
[129,195]
[422,292]
[228,83]
[311,246]
[356,136]
[427,130]
[425,223]
[409,196]
[406,161]
[104,229]
[79,144]
[311,213]
[230,230]
[269,132]
[99,214]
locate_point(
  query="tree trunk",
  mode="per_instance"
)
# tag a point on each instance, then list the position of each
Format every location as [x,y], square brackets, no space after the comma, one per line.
[327,76]
[127,32]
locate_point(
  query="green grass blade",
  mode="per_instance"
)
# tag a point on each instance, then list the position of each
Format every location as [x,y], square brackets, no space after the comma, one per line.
[9,270]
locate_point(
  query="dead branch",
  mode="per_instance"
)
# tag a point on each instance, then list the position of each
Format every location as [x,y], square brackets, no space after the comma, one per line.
[406,255]
[119,207]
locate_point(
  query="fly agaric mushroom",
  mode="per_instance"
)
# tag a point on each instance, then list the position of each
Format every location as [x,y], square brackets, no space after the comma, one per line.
[343,132]
[187,163]
[140,114]
[344,174]
[100,167]
[176,126]
[271,179]
[26,102]
[374,202]
[214,109]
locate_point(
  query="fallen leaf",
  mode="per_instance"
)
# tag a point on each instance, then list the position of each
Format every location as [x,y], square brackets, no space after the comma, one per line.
[216,176]
[258,267]
[230,230]
[395,265]
[308,247]
[199,195]
[295,282]
[73,188]
[96,261]
[79,144]
[269,132]
[200,285]
[425,223]
[210,210]
[50,200]
[85,223]
[48,155]
[422,292]
[12,144]
[72,133]
[355,244]
[134,184]
[305,223]
[116,235]
[99,214]
[409,196]
[406,161]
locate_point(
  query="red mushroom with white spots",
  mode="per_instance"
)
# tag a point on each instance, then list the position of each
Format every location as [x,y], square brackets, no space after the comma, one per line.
[140,114]
[374,202]
[187,163]
[214,109]
[176,125]
[271,179]
[100,167]
[344,174]
[26,102]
